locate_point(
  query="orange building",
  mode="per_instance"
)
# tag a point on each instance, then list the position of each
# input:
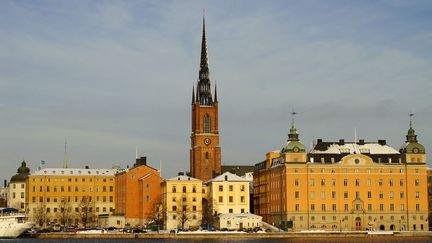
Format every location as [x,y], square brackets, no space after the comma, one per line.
[205,152]
[340,186]
[138,191]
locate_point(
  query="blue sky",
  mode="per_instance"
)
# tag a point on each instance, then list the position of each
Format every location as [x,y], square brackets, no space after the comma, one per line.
[109,76]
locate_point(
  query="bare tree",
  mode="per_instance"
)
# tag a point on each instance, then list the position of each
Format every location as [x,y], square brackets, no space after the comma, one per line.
[65,213]
[39,214]
[184,214]
[158,213]
[86,213]
[209,213]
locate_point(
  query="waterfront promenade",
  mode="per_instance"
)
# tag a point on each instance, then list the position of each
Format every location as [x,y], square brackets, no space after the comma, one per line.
[240,235]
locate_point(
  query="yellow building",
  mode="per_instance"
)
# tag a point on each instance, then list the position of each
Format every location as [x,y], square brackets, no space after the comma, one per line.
[228,193]
[345,186]
[70,196]
[182,202]
[16,194]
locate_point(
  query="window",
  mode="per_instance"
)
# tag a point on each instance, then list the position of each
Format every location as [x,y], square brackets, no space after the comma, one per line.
[312,182]
[333,194]
[417,194]
[381,194]
[381,207]
[323,194]
[345,194]
[242,199]
[297,194]
[296,182]
[402,207]
[322,182]
[417,207]
[357,194]
[380,182]
[370,207]
[334,207]
[174,208]
[323,207]
[230,210]
[345,182]
[417,181]
[220,199]
[242,188]
[174,199]
[391,194]
[184,189]
[220,188]
[312,194]
[230,199]
[402,195]
[369,182]
[312,207]
[357,182]
[206,123]
[346,207]
[231,188]
[194,208]
[184,199]
[391,207]
[333,183]
[194,189]
[391,182]
[174,189]
[369,194]
[297,207]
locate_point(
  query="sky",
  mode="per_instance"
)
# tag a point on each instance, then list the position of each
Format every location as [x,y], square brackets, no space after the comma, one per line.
[112,76]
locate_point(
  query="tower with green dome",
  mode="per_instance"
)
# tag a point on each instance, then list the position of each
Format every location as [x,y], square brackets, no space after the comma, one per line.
[412,150]
[294,150]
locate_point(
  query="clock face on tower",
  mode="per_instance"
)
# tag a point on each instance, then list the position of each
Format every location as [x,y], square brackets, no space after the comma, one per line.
[207,141]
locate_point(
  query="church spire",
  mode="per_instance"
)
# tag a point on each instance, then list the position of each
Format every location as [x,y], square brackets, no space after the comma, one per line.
[204,96]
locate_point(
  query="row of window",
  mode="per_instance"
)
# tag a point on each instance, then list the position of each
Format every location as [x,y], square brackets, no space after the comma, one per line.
[346,170]
[357,182]
[231,199]
[184,189]
[346,194]
[75,179]
[370,218]
[76,199]
[358,207]
[231,188]
[69,188]
[90,209]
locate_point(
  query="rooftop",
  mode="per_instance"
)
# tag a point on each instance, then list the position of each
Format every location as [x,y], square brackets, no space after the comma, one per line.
[76,172]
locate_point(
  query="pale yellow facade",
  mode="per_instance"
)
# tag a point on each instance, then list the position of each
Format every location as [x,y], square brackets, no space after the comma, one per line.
[61,195]
[228,193]
[182,202]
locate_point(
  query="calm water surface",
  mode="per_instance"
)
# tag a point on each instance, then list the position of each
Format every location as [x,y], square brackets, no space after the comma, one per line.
[294,240]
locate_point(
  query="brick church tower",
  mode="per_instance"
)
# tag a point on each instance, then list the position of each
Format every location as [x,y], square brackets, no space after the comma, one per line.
[205,152]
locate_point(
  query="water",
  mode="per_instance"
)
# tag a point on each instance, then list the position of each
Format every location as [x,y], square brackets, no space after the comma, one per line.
[292,240]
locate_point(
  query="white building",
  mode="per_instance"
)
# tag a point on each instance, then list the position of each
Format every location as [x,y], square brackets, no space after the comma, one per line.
[17,188]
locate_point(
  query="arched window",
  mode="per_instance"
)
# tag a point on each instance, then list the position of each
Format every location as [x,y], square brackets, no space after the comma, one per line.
[207,155]
[184,188]
[206,123]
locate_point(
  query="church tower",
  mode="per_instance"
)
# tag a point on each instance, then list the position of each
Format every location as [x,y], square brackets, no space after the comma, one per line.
[205,152]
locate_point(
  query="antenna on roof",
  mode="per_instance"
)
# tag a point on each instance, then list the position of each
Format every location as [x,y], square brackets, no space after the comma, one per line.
[136,152]
[160,166]
[355,135]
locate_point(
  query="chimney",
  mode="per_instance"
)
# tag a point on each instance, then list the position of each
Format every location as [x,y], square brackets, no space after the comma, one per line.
[226,177]
[361,142]
[141,161]
[341,142]
[382,141]
[181,174]
[5,183]
[87,167]
[319,140]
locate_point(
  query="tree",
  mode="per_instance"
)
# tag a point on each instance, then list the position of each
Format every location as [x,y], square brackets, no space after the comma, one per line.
[39,214]
[158,213]
[184,214]
[209,213]
[86,212]
[65,213]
